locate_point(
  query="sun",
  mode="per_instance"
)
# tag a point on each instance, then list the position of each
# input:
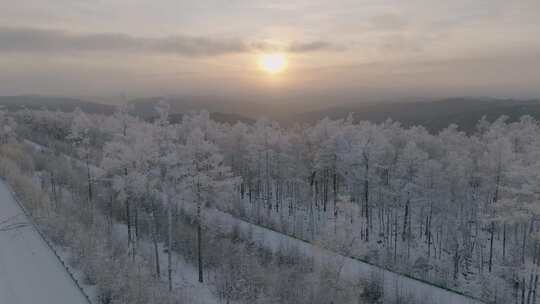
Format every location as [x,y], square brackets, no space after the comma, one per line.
[272,63]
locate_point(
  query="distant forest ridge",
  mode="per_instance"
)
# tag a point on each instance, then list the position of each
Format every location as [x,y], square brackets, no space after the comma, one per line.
[433,115]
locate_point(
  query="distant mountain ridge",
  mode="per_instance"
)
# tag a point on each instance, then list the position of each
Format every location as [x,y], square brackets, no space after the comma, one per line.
[186,103]
[64,104]
[434,115]
[144,109]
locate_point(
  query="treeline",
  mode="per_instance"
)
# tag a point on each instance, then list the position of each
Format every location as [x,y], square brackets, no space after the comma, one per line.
[76,205]
[453,209]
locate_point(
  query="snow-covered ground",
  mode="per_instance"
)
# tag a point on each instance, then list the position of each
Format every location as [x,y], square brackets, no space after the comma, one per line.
[394,284]
[29,270]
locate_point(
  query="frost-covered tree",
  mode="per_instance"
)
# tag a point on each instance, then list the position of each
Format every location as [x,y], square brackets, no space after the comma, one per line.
[452,208]
[167,172]
[80,136]
[126,160]
[205,182]
[7,127]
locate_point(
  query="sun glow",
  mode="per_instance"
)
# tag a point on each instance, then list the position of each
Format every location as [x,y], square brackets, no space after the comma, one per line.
[273,63]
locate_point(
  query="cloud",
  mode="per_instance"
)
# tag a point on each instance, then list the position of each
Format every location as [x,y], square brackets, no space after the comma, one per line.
[197,46]
[42,40]
[388,22]
[37,40]
[401,44]
[304,47]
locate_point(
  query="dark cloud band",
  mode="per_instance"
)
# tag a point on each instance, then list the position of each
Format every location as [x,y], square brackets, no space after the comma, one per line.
[304,47]
[44,41]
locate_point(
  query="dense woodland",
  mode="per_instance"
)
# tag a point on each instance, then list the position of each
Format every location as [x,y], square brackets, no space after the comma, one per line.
[458,211]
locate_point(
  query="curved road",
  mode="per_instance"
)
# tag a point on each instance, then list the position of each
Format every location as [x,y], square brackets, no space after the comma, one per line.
[29,271]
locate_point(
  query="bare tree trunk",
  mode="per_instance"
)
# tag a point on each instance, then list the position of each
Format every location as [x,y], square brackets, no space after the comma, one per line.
[405,220]
[110,222]
[524,243]
[53,190]
[523,291]
[128,212]
[89,177]
[440,241]
[395,237]
[366,198]
[504,242]
[534,289]
[199,250]
[335,195]
[491,231]
[456,262]
[128,221]
[497,183]
[199,235]
[89,180]
[529,293]
[155,241]
[428,229]
[325,189]
[312,198]
[169,249]
[136,232]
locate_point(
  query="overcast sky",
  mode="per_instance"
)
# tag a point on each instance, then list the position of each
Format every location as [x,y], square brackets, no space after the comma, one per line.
[356,48]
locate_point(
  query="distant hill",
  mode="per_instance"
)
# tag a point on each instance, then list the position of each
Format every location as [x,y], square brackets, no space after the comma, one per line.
[144,109]
[221,110]
[64,104]
[434,115]
[216,116]
[186,103]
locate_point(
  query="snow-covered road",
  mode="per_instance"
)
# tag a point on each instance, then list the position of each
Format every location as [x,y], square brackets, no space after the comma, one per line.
[29,270]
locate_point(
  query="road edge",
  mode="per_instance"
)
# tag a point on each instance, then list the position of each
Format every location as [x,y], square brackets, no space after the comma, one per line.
[45,240]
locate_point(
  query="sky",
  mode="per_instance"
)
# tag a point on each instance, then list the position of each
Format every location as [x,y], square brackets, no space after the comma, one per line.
[351,49]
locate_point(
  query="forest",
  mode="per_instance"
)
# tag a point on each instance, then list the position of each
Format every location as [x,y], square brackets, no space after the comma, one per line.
[151,211]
